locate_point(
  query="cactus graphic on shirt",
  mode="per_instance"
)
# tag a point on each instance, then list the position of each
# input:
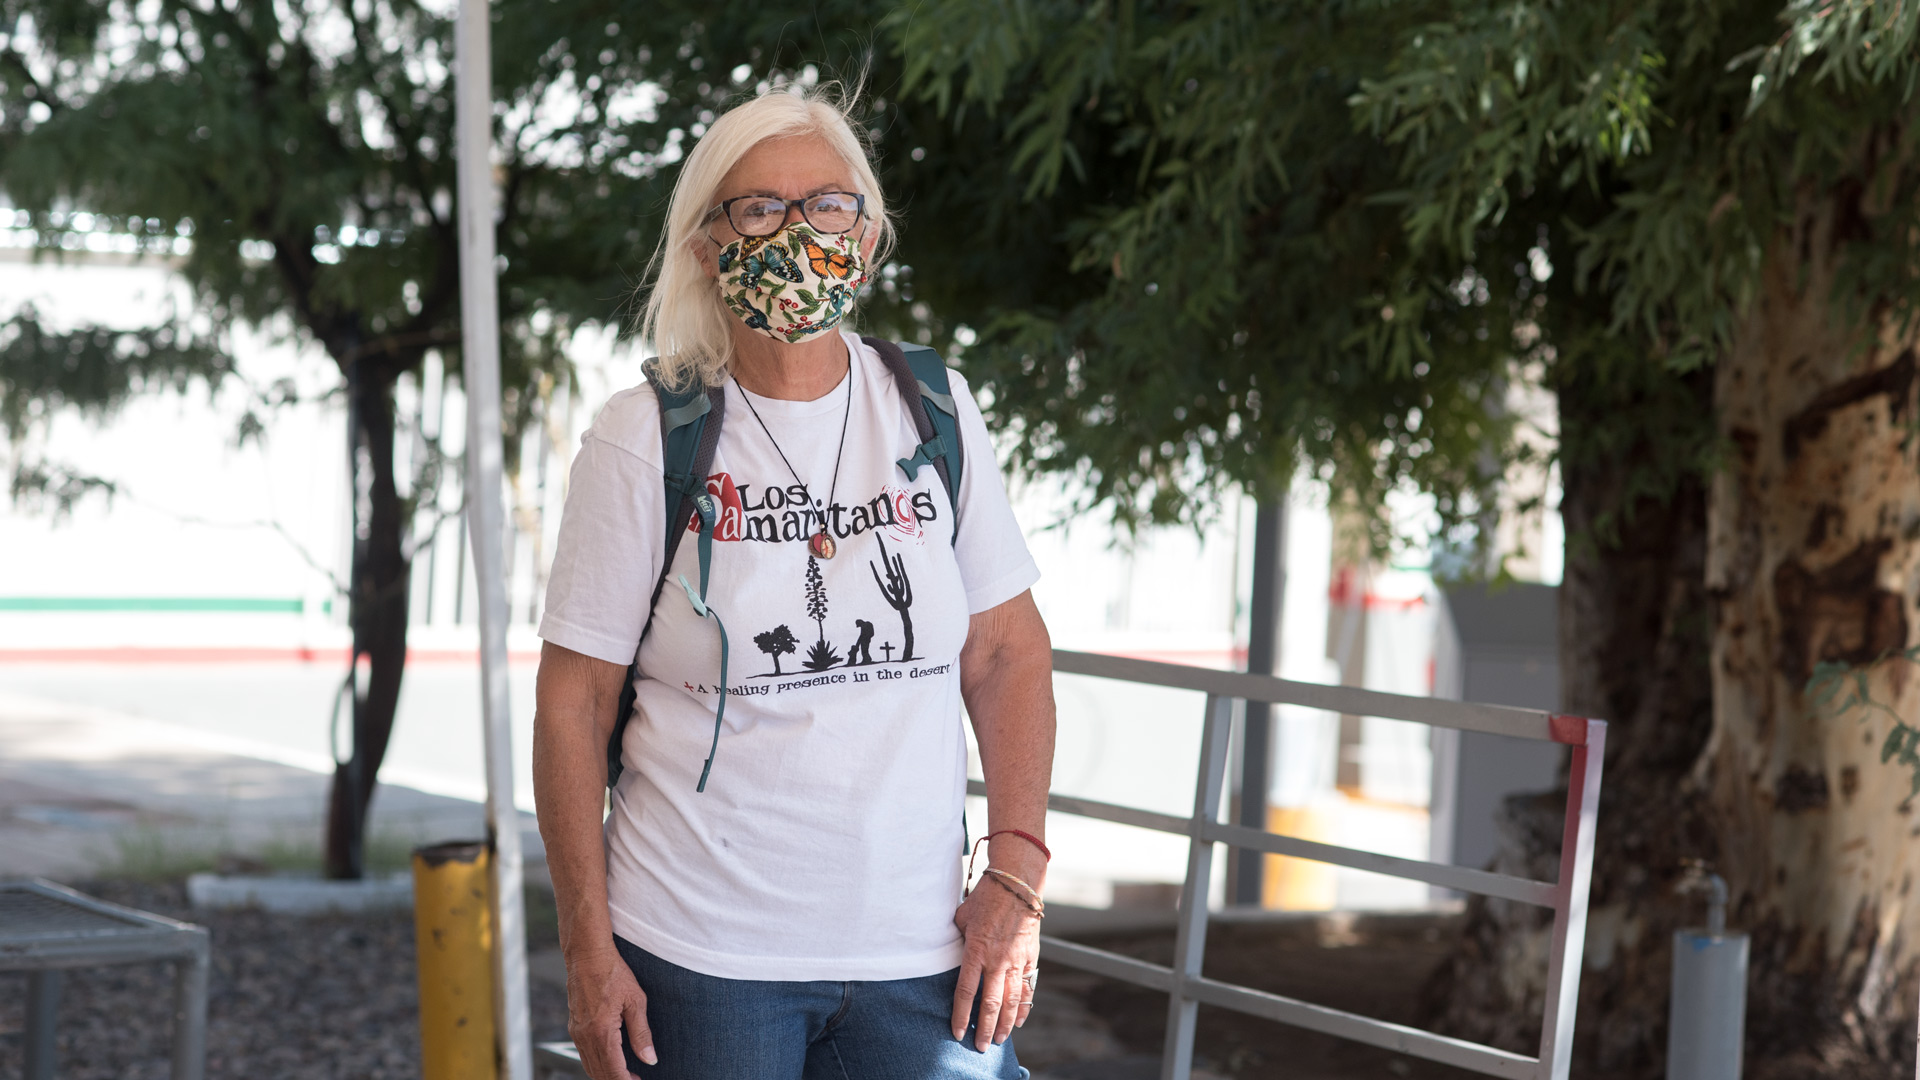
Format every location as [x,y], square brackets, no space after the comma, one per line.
[898,591]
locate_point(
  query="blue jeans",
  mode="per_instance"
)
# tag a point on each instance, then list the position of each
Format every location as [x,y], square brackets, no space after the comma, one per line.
[709,1028]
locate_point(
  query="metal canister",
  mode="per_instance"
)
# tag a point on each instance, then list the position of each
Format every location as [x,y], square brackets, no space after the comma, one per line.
[1706,1019]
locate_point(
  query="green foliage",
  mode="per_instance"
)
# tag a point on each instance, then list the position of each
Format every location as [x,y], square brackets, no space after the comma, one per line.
[1312,200]
[95,369]
[1838,688]
[1689,124]
[1232,296]
[1852,42]
[1184,246]
[298,162]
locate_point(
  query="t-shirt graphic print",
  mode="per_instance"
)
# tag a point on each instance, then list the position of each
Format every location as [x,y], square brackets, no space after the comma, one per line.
[826,843]
[790,515]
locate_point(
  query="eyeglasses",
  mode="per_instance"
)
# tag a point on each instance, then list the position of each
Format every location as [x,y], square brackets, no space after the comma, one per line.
[830,212]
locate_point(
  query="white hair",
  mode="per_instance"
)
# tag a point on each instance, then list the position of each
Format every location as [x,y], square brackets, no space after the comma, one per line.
[685,318]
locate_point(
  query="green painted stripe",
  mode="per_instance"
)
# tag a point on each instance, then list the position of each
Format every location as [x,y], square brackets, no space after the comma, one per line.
[250,605]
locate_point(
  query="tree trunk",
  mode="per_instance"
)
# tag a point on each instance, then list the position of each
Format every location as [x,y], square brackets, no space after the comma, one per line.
[377,612]
[1633,651]
[1813,556]
[1808,552]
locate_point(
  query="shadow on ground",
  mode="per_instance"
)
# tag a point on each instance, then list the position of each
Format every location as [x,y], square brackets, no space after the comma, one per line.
[1373,965]
[334,998]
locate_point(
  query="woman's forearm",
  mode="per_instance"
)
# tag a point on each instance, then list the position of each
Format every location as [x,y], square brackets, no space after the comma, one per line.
[573,717]
[1007,680]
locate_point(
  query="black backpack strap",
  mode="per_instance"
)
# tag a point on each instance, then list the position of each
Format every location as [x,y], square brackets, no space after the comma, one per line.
[690,422]
[921,377]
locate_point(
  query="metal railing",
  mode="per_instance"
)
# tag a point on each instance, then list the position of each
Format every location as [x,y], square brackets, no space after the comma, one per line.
[47,930]
[1187,989]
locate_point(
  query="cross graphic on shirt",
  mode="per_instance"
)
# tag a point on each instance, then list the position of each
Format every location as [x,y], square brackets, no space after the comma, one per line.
[886,650]
[688,685]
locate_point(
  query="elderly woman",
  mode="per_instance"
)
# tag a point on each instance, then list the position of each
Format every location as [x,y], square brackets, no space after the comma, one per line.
[770,892]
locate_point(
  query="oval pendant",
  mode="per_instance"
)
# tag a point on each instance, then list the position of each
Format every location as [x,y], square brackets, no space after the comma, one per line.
[820,545]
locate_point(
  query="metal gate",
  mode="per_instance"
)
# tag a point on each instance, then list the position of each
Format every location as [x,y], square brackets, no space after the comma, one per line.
[1187,988]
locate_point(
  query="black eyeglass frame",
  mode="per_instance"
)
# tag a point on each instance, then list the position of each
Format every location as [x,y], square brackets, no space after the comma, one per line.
[725,209]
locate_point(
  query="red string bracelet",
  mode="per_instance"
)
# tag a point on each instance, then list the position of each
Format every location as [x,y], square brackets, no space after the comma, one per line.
[1024,835]
[1021,833]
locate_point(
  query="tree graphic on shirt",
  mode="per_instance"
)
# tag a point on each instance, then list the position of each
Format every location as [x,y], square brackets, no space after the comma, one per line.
[821,656]
[776,642]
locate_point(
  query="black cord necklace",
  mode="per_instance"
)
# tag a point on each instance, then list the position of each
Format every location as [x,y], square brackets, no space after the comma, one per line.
[820,544]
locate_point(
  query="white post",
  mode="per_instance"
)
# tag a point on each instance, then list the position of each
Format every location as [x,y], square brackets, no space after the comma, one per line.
[1190,937]
[480,353]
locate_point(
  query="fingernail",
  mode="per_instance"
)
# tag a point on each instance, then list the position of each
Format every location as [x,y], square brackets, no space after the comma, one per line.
[647,1055]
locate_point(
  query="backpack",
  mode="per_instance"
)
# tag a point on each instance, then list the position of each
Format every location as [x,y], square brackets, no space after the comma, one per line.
[690,422]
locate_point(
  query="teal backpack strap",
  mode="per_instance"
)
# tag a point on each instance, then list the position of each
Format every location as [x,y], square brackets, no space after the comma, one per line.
[690,422]
[709,515]
[921,376]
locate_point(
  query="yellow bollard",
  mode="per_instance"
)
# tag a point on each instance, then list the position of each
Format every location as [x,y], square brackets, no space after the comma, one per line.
[1290,884]
[453,925]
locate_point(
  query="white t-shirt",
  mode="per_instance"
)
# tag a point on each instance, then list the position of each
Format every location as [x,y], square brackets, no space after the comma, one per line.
[827,842]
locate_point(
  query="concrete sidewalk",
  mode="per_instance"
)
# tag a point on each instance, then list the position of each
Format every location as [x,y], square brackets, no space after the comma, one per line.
[87,790]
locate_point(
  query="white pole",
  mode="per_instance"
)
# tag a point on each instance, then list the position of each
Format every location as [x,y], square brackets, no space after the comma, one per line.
[480,353]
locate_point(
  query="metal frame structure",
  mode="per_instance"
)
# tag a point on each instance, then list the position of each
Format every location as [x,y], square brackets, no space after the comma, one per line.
[1187,989]
[1184,984]
[45,929]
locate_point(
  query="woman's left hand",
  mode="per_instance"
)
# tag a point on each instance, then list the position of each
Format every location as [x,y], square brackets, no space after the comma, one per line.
[1002,936]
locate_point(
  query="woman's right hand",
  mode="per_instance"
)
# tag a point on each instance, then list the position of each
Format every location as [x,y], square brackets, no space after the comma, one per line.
[601,994]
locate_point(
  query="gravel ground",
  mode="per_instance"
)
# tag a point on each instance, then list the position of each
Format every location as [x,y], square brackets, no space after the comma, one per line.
[334,999]
[292,998]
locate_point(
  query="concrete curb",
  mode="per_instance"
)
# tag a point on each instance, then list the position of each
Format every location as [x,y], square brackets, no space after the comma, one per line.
[300,896]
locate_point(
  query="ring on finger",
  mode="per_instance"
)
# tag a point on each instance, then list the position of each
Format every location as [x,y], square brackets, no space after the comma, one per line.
[1032,979]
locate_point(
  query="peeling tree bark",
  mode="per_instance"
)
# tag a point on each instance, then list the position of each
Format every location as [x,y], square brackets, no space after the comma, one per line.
[1695,637]
[1814,556]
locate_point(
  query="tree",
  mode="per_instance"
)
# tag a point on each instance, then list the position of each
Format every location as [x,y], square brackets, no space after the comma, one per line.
[775,642]
[1696,223]
[1759,239]
[297,160]
[1352,225]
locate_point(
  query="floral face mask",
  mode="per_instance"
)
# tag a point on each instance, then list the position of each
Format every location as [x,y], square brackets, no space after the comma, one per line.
[791,284]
